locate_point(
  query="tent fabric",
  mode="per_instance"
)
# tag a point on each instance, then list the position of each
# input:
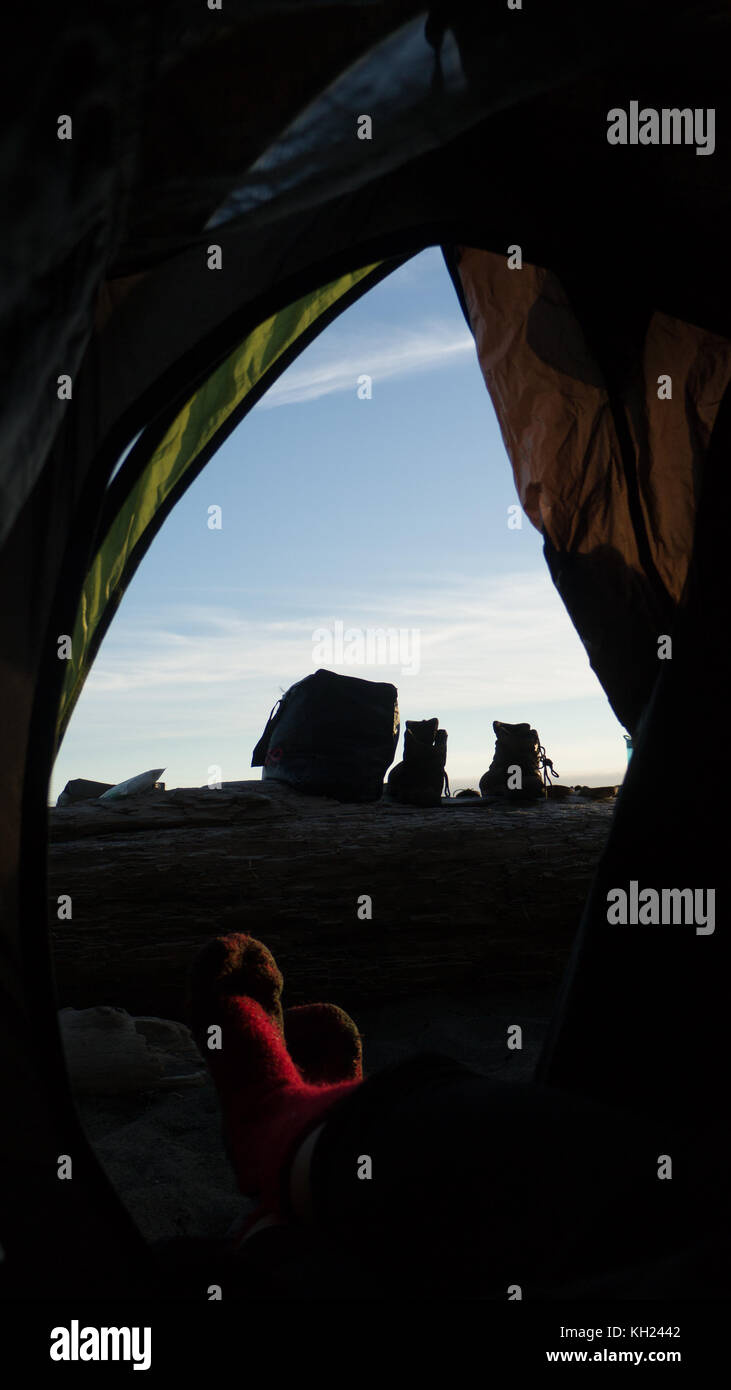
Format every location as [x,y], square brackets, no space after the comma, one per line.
[558,415]
[254,364]
[671,1058]
[179,112]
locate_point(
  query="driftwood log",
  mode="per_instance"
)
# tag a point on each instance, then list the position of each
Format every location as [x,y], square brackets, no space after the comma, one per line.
[464,896]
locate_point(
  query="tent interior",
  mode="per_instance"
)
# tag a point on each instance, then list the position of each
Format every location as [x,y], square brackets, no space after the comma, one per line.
[214,202]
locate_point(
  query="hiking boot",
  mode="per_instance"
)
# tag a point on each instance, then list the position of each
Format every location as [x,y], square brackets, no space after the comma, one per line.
[520,767]
[419,779]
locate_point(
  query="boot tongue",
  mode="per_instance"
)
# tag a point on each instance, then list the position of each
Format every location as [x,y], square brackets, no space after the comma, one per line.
[423,731]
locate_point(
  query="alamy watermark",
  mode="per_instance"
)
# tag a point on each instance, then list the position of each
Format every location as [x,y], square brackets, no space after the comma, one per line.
[664,907]
[78,1343]
[368,646]
[671,125]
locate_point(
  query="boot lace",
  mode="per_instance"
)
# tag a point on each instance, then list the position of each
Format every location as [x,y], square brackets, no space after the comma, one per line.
[546,763]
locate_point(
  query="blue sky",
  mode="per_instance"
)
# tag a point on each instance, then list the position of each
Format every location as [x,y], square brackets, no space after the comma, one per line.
[383,513]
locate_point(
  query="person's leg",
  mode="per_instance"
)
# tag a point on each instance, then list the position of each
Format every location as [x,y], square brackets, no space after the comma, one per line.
[300,1180]
[443,1180]
[431,1175]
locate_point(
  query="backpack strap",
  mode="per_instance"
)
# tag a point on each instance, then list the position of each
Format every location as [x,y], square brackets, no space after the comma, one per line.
[260,752]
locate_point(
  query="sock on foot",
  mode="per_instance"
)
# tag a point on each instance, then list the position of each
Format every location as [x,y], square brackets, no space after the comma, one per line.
[268,1107]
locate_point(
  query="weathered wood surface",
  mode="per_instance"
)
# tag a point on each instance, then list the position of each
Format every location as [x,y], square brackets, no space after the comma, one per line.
[465,897]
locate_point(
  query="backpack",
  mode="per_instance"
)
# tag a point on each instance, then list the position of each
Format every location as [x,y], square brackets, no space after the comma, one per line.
[332,735]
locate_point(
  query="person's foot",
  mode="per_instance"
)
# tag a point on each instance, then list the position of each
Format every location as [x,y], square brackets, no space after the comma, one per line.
[229,966]
[324,1043]
[326,1047]
[268,1105]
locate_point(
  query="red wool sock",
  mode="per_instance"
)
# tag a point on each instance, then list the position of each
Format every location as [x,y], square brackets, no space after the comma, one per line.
[268,1109]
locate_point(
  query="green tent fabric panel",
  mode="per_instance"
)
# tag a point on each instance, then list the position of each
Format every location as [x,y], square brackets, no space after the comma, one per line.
[194,428]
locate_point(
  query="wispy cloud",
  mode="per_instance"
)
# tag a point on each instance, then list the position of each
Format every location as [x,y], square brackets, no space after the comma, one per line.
[477,641]
[336,363]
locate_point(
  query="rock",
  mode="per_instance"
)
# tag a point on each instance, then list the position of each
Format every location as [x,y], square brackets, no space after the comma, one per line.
[81,789]
[109,1052]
